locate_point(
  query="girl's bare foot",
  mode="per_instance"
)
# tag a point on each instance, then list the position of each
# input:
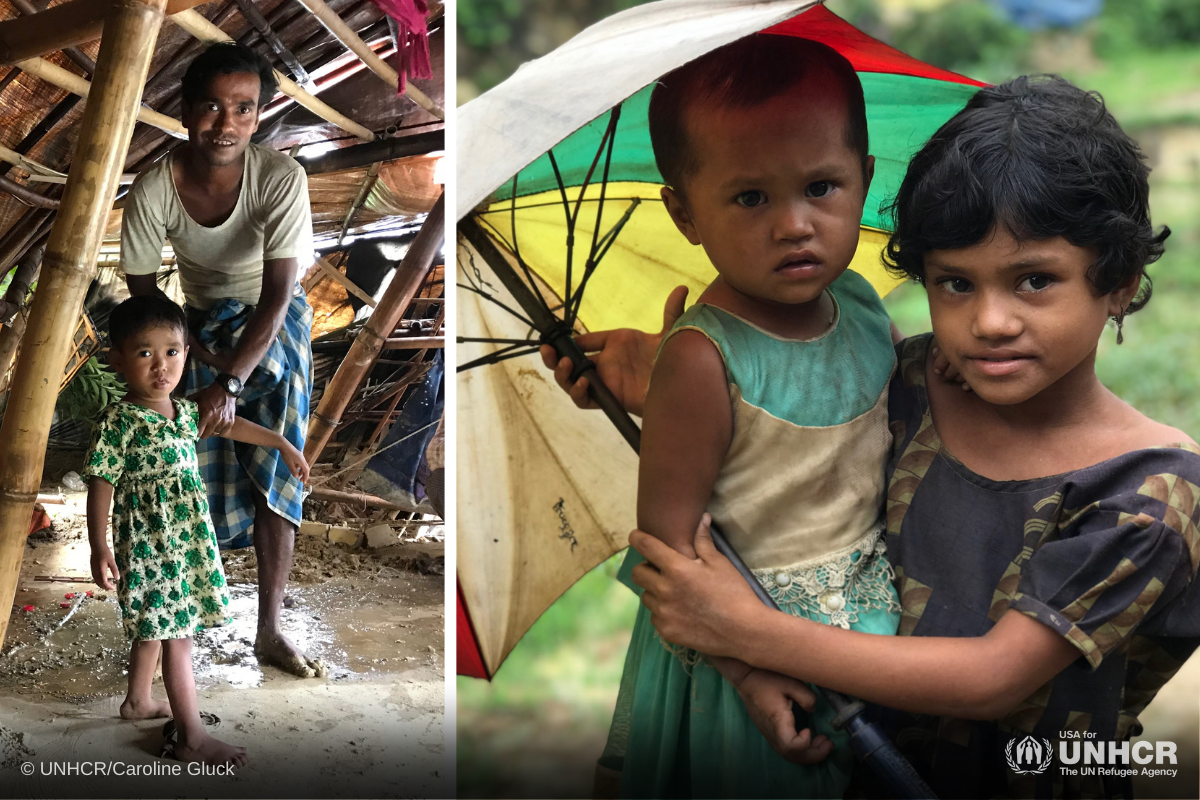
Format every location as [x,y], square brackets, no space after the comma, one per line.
[145,709]
[211,750]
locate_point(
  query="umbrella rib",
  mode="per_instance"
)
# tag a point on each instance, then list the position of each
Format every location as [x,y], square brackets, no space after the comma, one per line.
[487,296]
[484,340]
[562,190]
[607,242]
[590,265]
[516,247]
[496,358]
[559,203]
[609,132]
[610,238]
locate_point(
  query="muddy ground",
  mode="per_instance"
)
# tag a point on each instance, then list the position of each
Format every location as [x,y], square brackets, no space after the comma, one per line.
[372,728]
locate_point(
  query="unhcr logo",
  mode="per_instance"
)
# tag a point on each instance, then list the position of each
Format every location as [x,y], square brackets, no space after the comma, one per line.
[1029,756]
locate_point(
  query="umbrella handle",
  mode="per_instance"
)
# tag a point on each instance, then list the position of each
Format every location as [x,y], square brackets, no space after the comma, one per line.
[868,741]
[564,345]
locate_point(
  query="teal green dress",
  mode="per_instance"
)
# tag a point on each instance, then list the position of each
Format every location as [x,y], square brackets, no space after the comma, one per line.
[800,498]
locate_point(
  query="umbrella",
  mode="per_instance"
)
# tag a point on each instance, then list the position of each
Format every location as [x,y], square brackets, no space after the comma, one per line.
[558,202]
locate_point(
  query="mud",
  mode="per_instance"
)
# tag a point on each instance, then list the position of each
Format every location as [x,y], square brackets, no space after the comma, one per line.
[373,727]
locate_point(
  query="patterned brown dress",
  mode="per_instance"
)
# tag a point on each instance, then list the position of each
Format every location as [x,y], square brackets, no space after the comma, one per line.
[1104,555]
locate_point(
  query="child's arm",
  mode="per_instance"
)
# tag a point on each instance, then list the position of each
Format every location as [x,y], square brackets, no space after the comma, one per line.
[244,430]
[99,499]
[709,607]
[686,430]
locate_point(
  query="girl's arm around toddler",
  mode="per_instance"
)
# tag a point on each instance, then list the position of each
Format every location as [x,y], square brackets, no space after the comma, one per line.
[982,677]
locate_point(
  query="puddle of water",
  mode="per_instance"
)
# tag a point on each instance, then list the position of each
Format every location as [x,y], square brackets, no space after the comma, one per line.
[381,624]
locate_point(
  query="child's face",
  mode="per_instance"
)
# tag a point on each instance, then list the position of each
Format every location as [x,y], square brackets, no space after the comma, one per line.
[1016,317]
[152,361]
[777,198]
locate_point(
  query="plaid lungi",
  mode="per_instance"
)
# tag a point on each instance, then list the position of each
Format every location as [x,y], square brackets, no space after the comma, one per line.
[275,396]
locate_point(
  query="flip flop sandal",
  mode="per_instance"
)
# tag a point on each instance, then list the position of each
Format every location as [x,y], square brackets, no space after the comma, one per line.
[171,733]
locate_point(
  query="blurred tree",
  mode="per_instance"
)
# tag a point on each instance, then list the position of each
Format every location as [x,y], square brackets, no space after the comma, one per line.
[968,36]
[1128,24]
[497,36]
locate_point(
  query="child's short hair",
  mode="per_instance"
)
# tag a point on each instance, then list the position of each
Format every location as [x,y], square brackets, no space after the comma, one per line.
[1042,158]
[228,58]
[139,313]
[743,74]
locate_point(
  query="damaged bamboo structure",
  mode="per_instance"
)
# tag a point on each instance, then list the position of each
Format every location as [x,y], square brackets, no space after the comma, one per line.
[67,24]
[130,31]
[348,37]
[371,340]
[64,79]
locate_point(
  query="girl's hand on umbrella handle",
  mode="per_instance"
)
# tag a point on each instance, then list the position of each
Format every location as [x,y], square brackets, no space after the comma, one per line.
[945,370]
[702,603]
[624,359]
[770,700]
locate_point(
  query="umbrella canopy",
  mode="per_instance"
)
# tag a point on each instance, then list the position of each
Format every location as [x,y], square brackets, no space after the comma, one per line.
[556,166]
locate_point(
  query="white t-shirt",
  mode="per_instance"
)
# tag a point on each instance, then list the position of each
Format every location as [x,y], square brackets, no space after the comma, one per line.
[272,219]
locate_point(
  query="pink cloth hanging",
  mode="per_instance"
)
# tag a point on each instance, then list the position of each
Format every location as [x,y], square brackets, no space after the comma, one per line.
[413,43]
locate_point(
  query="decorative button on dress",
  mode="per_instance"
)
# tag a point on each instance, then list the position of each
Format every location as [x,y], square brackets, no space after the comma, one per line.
[171,582]
[800,497]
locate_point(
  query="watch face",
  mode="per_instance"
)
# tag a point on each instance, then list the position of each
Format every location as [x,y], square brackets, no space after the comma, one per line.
[233,386]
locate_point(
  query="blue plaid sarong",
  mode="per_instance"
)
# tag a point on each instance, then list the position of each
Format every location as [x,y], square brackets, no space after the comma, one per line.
[275,396]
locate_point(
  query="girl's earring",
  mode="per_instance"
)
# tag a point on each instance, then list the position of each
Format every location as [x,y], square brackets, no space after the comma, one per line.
[1120,318]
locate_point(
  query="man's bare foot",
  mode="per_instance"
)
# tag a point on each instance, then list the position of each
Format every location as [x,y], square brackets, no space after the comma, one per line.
[145,709]
[277,650]
[211,750]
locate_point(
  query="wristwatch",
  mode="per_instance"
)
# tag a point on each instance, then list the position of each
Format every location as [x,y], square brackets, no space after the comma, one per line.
[230,383]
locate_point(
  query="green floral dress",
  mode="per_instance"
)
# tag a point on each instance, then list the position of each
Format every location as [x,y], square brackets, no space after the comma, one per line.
[171,580]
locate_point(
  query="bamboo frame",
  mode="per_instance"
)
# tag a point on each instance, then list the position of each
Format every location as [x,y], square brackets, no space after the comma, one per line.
[199,27]
[131,28]
[64,79]
[348,37]
[260,24]
[367,185]
[67,24]
[26,195]
[29,165]
[350,286]
[407,281]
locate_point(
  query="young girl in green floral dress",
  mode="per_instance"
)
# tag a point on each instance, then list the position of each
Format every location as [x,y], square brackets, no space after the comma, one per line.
[166,566]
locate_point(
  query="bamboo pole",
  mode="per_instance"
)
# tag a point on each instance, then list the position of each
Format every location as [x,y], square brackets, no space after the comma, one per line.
[194,23]
[29,165]
[348,37]
[415,343]
[131,28]
[67,24]
[352,498]
[64,79]
[12,331]
[26,195]
[409,278]
[353,288]
[260,24]
[367,185]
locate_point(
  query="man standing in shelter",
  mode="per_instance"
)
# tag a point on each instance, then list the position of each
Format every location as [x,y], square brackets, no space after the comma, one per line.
[238,218]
